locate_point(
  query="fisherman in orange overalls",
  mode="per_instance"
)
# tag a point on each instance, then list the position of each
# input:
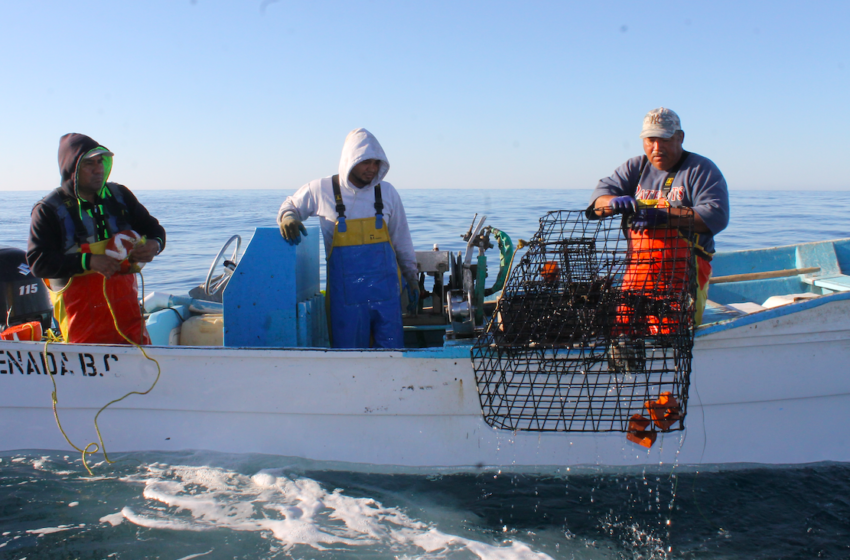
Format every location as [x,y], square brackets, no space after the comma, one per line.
[87,237]
[675,201]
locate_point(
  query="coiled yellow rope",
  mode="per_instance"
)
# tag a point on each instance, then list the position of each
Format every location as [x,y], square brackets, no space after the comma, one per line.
[93,446]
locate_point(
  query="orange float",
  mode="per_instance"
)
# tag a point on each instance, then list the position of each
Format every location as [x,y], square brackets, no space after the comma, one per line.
[25,331]
[550,271]
[638,432]
[665,411]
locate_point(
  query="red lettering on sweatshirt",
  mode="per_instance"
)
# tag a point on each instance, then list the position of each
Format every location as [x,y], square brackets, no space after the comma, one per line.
[646,194]
[677,194]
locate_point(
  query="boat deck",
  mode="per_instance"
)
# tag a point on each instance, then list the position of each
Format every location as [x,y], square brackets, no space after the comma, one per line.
[763,279]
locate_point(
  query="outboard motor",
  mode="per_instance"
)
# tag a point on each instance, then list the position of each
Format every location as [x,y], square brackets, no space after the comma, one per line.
[23,297]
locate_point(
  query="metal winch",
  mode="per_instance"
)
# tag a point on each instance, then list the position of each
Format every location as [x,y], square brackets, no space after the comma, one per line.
[458,304]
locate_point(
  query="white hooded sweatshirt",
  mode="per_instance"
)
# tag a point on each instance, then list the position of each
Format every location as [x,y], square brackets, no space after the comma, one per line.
[316,198]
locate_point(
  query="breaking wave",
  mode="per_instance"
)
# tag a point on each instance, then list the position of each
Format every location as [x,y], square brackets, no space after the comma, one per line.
[296,512]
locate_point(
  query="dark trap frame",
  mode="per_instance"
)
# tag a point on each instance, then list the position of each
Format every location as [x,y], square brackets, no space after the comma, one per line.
[589,327]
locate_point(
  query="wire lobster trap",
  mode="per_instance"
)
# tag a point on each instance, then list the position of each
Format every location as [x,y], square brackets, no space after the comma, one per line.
[595,325]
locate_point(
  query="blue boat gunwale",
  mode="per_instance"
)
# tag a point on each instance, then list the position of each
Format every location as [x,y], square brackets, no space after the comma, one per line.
[784,257]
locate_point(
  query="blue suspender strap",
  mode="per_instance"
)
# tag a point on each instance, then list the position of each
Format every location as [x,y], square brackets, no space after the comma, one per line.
[340,207]
[379,208]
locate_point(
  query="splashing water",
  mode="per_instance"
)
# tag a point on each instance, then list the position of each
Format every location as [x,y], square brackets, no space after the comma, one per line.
[295,512]
[198,505]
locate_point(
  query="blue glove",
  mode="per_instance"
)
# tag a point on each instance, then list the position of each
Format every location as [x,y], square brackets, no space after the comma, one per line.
[412,300]
[412,285]
[648,218]
[623,204]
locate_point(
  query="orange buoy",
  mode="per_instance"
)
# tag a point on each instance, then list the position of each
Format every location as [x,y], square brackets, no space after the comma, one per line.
[638,432]
[25,331]
[665,411]
[550,271]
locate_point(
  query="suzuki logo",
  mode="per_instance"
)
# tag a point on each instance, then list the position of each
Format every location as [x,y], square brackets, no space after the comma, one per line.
[24,269]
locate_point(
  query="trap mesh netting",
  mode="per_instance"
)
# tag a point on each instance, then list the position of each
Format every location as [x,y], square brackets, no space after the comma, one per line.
[593,324]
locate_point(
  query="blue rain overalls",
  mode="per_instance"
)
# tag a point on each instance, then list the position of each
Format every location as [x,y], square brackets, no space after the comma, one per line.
[364,282]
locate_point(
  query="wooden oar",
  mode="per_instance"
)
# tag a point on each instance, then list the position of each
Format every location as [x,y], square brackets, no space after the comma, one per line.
[763,275]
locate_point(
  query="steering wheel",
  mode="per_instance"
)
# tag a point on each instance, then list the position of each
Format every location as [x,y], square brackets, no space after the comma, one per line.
[215,284]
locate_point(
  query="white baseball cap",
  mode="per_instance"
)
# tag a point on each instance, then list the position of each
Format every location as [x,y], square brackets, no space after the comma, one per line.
[660,123]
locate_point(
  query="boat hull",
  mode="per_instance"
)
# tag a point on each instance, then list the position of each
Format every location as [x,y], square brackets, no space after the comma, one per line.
[771,389]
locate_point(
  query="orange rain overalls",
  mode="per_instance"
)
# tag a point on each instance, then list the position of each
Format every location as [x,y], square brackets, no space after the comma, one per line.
[658,269]
[83,313]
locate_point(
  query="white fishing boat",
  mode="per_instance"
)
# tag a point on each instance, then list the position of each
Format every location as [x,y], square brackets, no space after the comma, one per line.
[768,378]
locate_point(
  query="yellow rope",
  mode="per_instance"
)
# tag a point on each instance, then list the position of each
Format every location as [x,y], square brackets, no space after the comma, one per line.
[521,244]
[51,337]
[85,451]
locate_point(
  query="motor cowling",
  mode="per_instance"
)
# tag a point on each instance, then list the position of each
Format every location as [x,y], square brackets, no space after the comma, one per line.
[23,297]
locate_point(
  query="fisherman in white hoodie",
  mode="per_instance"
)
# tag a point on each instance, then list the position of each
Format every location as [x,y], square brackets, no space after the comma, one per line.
[367,244]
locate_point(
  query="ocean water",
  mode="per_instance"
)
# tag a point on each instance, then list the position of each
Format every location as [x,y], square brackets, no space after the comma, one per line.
[204,505]
[198,223]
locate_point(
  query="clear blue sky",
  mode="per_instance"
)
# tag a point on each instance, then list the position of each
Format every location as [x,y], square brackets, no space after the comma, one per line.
[214,94]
